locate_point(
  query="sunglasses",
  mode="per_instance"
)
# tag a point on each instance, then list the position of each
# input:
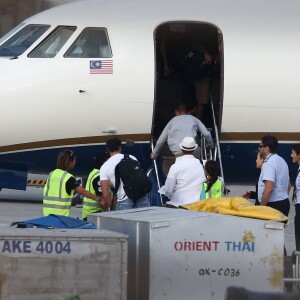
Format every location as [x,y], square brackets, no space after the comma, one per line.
[71,153]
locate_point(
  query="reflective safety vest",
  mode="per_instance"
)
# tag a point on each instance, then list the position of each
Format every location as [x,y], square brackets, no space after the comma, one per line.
[89,205]
[216,191]
[56,199]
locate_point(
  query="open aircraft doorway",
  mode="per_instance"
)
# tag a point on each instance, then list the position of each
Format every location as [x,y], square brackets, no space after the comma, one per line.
[183,75]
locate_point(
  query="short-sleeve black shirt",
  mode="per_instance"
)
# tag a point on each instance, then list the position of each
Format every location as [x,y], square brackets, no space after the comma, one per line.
[96,185]
[71,184]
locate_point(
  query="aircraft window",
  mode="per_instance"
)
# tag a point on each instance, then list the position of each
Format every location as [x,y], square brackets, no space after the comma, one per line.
[11,32]
[53,43]
[22,40]
[91,43]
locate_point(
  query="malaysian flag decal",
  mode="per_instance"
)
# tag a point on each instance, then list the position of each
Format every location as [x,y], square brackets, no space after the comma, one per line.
[101,67]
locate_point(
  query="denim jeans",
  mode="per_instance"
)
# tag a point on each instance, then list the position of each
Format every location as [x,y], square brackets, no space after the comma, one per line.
[128,203]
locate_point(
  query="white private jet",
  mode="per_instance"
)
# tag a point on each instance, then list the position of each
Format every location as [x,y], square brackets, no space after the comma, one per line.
[77,74]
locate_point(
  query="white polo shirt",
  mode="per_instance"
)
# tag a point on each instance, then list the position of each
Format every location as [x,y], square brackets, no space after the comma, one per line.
[184,181]
[274,169]
[297,188]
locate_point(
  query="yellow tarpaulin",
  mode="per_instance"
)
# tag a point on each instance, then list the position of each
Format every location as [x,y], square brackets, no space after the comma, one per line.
[237,206]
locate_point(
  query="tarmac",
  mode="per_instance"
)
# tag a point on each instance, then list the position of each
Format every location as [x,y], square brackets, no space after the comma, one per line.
[25,205]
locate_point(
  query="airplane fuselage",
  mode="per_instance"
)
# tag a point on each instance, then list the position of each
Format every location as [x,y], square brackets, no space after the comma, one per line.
[49,103]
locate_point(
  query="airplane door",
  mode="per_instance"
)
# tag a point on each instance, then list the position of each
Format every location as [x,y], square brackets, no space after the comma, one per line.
[177,74]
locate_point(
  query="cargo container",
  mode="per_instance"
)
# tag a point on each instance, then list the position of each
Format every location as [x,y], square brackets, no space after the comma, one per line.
[55,264]
[181,254]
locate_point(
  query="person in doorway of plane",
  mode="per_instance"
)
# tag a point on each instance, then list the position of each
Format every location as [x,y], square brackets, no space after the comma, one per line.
[61,185]
[173,47]
[197,66]
[180,126]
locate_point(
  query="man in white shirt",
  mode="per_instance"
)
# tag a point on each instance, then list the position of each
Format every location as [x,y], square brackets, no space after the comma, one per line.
[107,178]
[274,180]
[185,177]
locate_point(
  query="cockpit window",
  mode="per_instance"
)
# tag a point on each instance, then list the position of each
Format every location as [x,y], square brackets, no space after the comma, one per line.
[11,32]
[91,43]
[51,45]
[22,40]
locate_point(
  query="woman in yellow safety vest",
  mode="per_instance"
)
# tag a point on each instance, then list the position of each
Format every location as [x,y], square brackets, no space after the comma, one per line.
[214,185]
[61,185]
[93,186]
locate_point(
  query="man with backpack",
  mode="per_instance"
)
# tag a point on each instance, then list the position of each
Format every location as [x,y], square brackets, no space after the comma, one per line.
[123,172]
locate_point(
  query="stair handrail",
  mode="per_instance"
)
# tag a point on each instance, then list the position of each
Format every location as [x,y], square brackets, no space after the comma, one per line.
[217,140]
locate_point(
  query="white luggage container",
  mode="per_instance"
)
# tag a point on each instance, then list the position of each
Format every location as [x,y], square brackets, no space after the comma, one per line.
[180,254]
[38,264]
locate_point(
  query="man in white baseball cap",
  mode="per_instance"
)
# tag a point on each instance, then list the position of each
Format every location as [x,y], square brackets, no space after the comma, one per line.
[185,177]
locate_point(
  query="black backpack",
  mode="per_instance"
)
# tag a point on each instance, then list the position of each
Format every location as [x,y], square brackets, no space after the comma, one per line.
[136,183]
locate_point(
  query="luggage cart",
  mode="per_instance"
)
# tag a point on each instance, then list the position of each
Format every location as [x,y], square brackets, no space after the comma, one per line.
[295,280]
[240,293]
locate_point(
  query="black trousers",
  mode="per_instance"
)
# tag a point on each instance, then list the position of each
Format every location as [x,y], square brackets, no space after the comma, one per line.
[297,226]
[283,206]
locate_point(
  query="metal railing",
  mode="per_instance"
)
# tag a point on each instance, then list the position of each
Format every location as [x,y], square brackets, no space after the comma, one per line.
[215,153]
[295,280]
